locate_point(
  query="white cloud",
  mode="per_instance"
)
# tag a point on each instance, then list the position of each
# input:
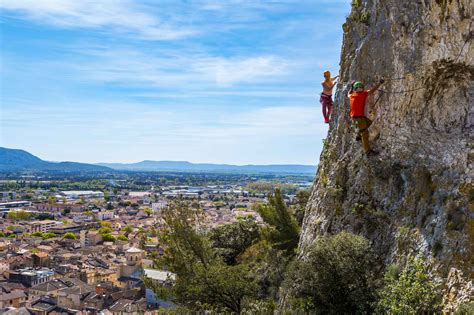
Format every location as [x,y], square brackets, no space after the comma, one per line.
[230,71]
[164,68]
[118,15]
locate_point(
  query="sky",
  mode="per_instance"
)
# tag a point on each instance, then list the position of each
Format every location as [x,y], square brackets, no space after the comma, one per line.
[228,81]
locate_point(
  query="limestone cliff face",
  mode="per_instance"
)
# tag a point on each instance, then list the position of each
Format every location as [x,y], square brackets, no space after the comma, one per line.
[417,195]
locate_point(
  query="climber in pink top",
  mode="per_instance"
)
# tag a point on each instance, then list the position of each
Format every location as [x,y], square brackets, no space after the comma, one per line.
[326,95]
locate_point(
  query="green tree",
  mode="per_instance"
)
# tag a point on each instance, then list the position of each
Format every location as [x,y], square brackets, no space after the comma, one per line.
[18,215]
[122,238]
[334,277]
[299,204]
[108,237]
[70,236]
[148,211]
[410,291]
[104,230]
[52,200]
[105,224]
[282,230]
[231,240]
[2,234]
[127,229]
[48,235]
[203,280]
[38,234]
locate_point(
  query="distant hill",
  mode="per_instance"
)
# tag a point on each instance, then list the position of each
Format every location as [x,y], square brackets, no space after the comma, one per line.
[20,160]
[183,166]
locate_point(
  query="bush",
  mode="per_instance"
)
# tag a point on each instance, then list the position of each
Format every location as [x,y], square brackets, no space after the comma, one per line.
[410,291]
[70,236]
[334,277]
[465,309]
[230,240]
[108,238]
[122,238]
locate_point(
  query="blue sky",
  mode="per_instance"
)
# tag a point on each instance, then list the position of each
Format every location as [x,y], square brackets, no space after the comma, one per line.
[203,81]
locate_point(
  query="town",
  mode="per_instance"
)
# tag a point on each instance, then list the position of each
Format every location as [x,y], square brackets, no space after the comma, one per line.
[94,251]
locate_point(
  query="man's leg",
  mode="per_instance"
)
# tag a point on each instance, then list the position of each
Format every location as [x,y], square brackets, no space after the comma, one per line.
[365,135]
[323,101]
[329,100]
[362,124]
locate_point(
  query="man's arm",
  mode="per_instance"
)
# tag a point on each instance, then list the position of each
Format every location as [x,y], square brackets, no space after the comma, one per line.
[349,86]
[335,78]
[375,88]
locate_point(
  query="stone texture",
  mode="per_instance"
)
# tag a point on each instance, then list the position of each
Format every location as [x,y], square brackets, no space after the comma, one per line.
[417,195]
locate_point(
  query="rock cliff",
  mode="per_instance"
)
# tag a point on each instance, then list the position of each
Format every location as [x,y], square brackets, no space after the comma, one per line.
[417,194]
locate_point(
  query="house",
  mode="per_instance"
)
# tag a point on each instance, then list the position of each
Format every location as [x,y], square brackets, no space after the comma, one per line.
[31,277]
[15,298]
[89,238]
[50,289]
[41,226]
[72,297]
[40,259]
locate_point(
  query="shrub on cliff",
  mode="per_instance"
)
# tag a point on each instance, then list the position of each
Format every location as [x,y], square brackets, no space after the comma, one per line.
[335,277]
[410,291]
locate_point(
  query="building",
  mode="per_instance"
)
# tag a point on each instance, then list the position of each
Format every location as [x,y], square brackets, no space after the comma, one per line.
[76,194]
[133,257]
[15,298]
[66,228]
[105,215]
[31,277]
[14,205]
[98,275]
[40,259]
[89,238]
[41,226]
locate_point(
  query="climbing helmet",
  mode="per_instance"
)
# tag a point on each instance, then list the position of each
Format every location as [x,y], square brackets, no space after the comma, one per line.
[358,84]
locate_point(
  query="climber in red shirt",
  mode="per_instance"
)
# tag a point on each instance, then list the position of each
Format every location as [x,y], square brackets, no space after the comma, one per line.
[358,97]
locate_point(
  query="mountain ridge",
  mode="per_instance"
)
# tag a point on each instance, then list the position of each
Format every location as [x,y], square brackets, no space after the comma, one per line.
[21,160]
[149,165]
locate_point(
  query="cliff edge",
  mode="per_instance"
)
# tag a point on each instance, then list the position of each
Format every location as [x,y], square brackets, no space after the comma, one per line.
[417,194]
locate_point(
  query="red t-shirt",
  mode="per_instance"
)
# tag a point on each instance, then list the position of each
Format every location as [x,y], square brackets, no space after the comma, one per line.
[358,103]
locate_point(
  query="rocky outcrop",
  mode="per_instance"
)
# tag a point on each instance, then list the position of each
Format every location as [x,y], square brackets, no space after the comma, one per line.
[417,194]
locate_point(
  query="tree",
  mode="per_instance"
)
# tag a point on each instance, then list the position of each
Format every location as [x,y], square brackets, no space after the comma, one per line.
[203,280]
[299,204]
[70,236]
[282,230]
[18,215]
[410,291]
[122,238]
[221,287]
[334,277]
[230,240]
[48,235]
[108,237]
[127,229]
[38,234]
[148,211]
[52,200]
[2,234]
[104,230]
[105,224]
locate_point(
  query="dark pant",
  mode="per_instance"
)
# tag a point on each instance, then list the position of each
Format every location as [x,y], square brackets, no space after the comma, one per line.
[362,124]
[326,102]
